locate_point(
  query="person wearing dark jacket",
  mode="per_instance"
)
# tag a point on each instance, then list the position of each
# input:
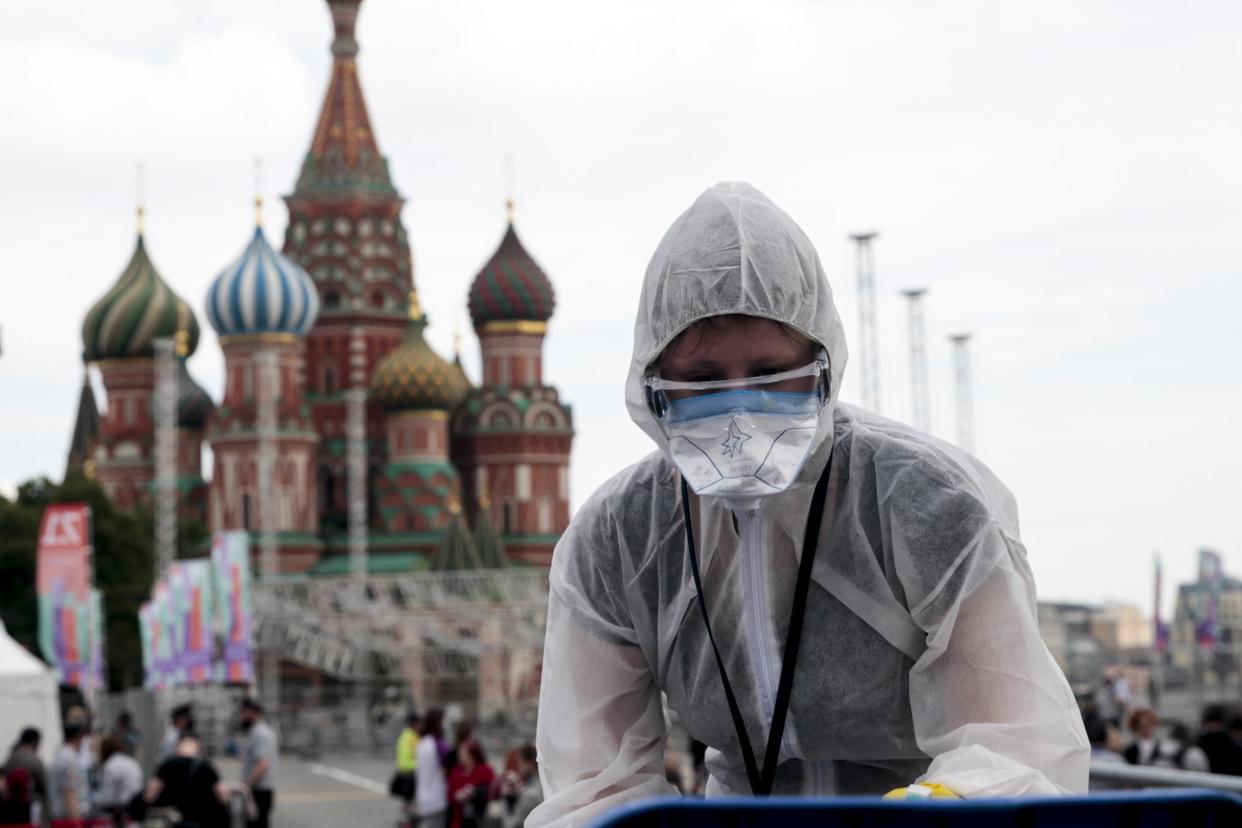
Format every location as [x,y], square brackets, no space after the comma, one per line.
[1224,755]
[189,784]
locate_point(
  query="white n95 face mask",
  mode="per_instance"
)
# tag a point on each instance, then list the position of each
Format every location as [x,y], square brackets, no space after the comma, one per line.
[741,438]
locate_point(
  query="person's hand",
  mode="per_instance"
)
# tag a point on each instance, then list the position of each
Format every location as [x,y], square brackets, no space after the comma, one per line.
[465,793]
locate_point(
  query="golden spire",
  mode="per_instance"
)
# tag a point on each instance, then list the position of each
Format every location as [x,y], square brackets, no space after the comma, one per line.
[509,187]
[141,210]
[258,191]
[457,336]
[416,312]
[182,337]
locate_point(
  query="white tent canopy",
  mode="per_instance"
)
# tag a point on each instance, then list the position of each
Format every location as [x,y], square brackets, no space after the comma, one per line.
[29,697]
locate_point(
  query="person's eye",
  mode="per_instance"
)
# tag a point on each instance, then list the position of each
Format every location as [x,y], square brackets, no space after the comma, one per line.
[767,372]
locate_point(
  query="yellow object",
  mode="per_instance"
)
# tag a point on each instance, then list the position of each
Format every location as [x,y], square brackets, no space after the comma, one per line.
[407,756]
[922,790]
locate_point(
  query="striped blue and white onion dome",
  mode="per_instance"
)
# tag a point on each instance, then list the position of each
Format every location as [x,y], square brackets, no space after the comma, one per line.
[262,292]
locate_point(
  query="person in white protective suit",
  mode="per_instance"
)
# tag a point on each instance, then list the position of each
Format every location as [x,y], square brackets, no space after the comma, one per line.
[774,526]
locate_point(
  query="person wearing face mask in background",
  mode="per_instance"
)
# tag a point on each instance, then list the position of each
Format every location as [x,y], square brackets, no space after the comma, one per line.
[260,760]
[833,602]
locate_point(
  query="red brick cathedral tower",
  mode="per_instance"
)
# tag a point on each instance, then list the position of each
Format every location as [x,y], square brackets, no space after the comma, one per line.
[345,231]
[512,435]
[263,305]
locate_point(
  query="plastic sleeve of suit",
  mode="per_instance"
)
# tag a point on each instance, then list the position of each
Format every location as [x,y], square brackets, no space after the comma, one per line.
[989,704]
[601,726]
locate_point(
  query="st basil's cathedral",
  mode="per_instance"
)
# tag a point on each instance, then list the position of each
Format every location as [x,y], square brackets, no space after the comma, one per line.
[338,307]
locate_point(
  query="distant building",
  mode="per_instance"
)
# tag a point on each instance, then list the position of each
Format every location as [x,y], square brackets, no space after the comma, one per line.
[1067,630]
[1090,640]
[1206,635]
[1122,628]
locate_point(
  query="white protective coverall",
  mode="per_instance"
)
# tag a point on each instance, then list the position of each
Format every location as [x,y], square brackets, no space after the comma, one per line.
[920,657]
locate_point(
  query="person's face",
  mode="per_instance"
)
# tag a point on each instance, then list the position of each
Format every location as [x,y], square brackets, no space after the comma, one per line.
[1147,726]
[737,347]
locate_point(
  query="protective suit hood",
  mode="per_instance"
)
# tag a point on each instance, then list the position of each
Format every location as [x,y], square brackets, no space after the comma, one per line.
[733,252]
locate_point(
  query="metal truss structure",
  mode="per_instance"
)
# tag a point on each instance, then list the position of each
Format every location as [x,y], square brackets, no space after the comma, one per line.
[965,404]
[868,327]
[165,455]
[268,380]
[432,629]
[920,403]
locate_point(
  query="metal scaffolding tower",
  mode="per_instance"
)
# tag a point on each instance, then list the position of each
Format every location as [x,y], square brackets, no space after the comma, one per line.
[356,457]
[965,406]
[165,455]
[267,388]
[920,403]
[430,629]
[868,335]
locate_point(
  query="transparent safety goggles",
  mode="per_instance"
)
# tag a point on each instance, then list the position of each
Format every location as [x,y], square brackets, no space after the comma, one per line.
[787,392]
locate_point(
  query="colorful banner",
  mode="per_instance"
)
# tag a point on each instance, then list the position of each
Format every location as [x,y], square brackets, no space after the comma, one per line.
[98,672]
[147,631]
[230,559]
[197,626]
[162,636]
[191,590]
[176,614]
[63,582]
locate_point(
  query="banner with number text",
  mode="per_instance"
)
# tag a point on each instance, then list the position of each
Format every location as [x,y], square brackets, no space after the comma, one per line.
[63,581]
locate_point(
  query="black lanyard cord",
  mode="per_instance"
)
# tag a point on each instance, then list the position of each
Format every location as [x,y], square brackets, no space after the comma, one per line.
[761,781]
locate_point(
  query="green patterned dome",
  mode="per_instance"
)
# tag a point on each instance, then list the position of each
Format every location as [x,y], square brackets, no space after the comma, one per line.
[139,309]
[511,287]
[414,377]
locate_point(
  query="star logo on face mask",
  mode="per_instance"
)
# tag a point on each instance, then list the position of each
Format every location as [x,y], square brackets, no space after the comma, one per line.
[732,445]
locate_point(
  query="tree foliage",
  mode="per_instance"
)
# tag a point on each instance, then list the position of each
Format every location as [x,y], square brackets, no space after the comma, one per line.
[123,567]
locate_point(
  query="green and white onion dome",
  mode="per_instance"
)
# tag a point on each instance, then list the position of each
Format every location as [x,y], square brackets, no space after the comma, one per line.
[136,311]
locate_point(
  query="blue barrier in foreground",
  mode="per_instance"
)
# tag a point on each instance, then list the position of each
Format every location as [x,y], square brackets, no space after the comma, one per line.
[1191,808]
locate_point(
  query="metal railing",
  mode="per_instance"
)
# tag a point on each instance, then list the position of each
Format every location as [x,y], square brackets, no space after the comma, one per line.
[1117,775]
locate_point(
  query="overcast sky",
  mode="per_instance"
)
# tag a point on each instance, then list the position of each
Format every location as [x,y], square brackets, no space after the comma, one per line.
[1064,177]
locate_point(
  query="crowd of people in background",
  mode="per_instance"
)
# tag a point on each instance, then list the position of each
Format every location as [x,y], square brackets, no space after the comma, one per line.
[452,785]
[99,775]
[1121,732]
